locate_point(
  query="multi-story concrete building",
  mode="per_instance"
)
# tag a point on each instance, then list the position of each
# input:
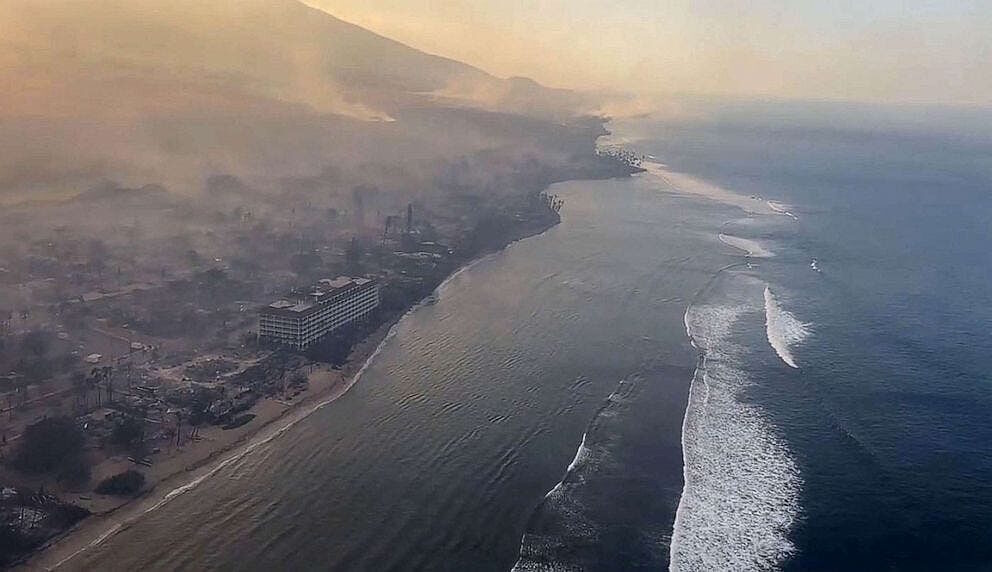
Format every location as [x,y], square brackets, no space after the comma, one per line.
[306,317]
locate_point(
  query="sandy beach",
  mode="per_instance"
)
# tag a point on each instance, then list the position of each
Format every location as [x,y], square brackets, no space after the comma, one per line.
[180,469]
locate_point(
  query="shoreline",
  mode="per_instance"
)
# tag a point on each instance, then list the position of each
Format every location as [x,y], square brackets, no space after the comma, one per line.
[545,536]
[544,526]
[63,548]
[326,385]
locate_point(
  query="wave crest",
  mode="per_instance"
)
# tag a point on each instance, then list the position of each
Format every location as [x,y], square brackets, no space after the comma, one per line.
[741,484]
[782,209]
[752,247]
[783,329]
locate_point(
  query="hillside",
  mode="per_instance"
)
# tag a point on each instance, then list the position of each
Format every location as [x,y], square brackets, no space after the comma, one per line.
[142,91]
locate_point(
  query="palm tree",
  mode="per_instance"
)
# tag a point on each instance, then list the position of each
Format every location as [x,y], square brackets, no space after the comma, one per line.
[101,374]
[94,383]
[80,388]
[107,372]
[179,428]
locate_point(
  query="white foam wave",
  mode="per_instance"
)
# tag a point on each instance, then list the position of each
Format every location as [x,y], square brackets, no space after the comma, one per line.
[581,455]
[741,491]
[783,329]
[752,247]
[685,184]
[782,209]
[568,509]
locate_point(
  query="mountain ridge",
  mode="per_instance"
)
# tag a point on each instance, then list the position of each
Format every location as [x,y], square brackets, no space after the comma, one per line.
[141,91]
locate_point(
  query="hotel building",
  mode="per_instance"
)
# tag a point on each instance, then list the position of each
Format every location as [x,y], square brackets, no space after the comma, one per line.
[301,321]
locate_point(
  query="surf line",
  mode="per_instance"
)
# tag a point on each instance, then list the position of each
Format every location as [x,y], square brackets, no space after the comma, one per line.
[581,455]
[698,375]
[782,329]
[750,247]
[780,209]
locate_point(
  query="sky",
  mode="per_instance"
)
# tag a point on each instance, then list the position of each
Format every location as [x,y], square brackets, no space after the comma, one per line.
[888,51]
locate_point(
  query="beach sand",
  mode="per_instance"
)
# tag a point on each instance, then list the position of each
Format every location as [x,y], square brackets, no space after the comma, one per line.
[181,468]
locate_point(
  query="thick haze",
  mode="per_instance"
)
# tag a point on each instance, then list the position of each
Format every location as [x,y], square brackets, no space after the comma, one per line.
[909,51]
[172,93]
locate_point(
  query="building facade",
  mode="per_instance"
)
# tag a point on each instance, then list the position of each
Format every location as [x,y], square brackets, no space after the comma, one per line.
[307,317]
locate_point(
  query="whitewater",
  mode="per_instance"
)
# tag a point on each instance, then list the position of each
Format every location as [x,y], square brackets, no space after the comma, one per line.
[741,484]
[864,333]
[752,247]
[784,330]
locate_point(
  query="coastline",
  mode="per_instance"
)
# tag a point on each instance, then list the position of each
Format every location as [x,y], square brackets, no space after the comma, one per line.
[697,530]
[326,386]
[548,537]
[217,448]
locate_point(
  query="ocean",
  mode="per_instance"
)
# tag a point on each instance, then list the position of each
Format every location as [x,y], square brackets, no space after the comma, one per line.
[794,302]
[840,420]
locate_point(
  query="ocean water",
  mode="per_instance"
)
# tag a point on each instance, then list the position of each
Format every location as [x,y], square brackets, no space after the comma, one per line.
[855,342]
[794,302]
[459,434]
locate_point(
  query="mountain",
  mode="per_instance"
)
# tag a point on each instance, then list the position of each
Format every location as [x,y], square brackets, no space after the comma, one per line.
[147,91]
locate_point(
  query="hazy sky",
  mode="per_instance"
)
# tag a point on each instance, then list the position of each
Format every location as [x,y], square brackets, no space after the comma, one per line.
[928,51]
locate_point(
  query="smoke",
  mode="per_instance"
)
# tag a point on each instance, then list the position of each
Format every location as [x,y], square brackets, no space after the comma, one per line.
[142,91]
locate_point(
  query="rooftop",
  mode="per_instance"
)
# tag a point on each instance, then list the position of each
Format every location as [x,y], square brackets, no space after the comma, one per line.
[322,290]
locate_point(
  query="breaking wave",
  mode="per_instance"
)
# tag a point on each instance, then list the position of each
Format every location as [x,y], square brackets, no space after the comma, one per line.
[569,527]
[752,247]
[783,329]
[782,209]
[684,184]
[538,552]
[741,484]
[580,456]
